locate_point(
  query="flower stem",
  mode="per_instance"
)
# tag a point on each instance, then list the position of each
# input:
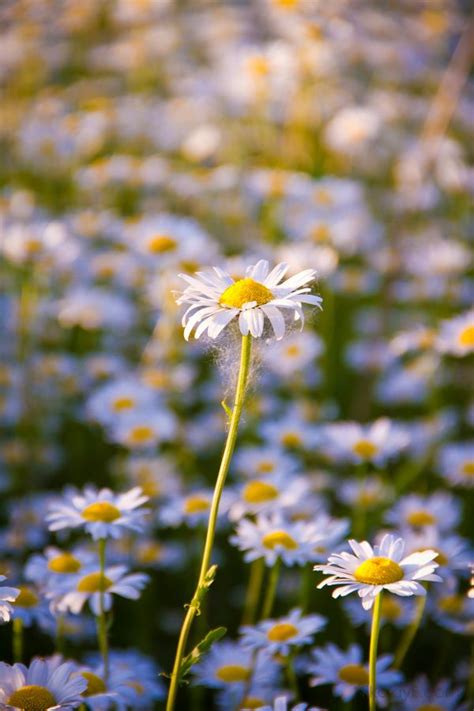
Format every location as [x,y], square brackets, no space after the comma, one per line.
[211,527]
[374,638]
[410,632]
[257,571]
[17,639]
[271,590]
[101,620]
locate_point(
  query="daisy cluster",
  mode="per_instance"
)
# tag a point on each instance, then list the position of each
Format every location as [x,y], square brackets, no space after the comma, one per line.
[177,178]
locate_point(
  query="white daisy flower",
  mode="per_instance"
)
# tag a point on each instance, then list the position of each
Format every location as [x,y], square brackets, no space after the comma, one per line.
[273,537]
[372,570]
[102,513]
[439,509]
[280,636]
[7,595]
[456,463]
[45,685]
[229,664]
[456,336]
[215,299]
[375,442]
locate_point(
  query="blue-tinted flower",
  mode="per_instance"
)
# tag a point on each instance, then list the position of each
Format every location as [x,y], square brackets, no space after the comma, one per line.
[280,636]
[7,596]
[45,684]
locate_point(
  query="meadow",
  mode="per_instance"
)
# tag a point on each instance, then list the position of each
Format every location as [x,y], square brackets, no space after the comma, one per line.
[236,355]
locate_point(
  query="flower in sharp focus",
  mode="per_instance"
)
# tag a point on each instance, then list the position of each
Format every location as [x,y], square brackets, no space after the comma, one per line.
[45,684]
[281,635]
[102,513]
[346,671]
[372,570]
[214,299]
[7,595]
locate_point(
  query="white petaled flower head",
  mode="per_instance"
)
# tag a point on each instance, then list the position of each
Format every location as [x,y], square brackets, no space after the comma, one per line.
[102,513]
[7,595]
[214,299]
[383,567]
[280,636]
[45,684]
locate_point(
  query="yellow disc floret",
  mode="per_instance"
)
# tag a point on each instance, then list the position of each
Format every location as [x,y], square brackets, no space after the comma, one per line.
[160,243]
[244,291]
[466,337]
[378,571]
[231,673]
[64,563]
[354,674]
[26,598]
[32,698]
[364,448]
[468,468]
[279,538]
[102,511]
[123,403]
[421,518]
[258,492]
[196,504]
[282,632]
[93,583]
[95,685]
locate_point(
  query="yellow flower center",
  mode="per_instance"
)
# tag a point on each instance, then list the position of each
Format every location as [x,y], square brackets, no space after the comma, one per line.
[258,66]
[258,492]
[354,674]
[64,563]
[231,673]
[365,448]
[279,538]
[430,707]
[293,351]
[32,698]
[243,291]
[123,403]
[441,558]
[466,337]
[265,467]
[159,244]
[421,518]
[378,571]
[33,245]
[390,608]
[95,685]
[155,378]
[93,583]
[320,233]
[139,688]
[323,197]
[26,598]
[452,604]
[367,498]
[101,511]
[468,468]
[196,504]
[282,632]
[150,553]
[252,702]
[140,434]
[291,439]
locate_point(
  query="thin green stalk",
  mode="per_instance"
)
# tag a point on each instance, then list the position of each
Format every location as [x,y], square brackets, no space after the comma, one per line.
[102,620]
[17,640]
[271,590]
[291,676]
[410,632]
[254,588]
[211,527]
[374,639]
[306,586]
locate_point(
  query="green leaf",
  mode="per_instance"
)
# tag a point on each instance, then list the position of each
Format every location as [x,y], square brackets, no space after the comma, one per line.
[199,650]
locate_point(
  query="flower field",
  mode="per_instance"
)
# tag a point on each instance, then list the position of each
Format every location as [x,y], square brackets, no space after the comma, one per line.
[236,355]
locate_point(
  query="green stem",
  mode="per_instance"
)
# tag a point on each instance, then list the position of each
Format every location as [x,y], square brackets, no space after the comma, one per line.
[291,676]
[306,586]
[211,527]
[254,588]
[102,620]
[271,590]
[17,639]
[374,639]
[409,634]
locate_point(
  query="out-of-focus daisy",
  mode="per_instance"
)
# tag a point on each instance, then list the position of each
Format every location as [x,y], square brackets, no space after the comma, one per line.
[118,398]
[273,537]
[259,461]
[291,431]
[229,664]
[372,570]
[376,442]
[31,607]
[94,308]
[296,352]
[392,611]
[143,429]
[281,635]
[420,696]
[102,513]
[456,336]
[191,508]
[456,463]
[347,672]
[440,509]
[45,684]
[454,611]
[54,562]
[367,493]
[7,595]
[454,552]
[215,299]
[156,476]
[91,585]
[268,494]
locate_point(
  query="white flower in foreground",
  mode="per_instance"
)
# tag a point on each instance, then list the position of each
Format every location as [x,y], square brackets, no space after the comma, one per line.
[372,570]
[45,684]
[7,595]
[214,299]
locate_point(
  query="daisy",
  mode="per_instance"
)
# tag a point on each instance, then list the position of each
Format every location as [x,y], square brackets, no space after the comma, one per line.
[372,570]
[353,442]
[264,495]
[420,696]
[273,537]
[229,665]
[440,509]
[102,513]
[368,493]
[456,463]
[456,336]
[280,636]
[259,461]
[93,585]
[215,299]
[143,429]
[346,671]
[31,607]
[394,611]
[7,595]
[45,684]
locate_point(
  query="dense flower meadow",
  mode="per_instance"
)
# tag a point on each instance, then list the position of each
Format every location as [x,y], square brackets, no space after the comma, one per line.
[236,350]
